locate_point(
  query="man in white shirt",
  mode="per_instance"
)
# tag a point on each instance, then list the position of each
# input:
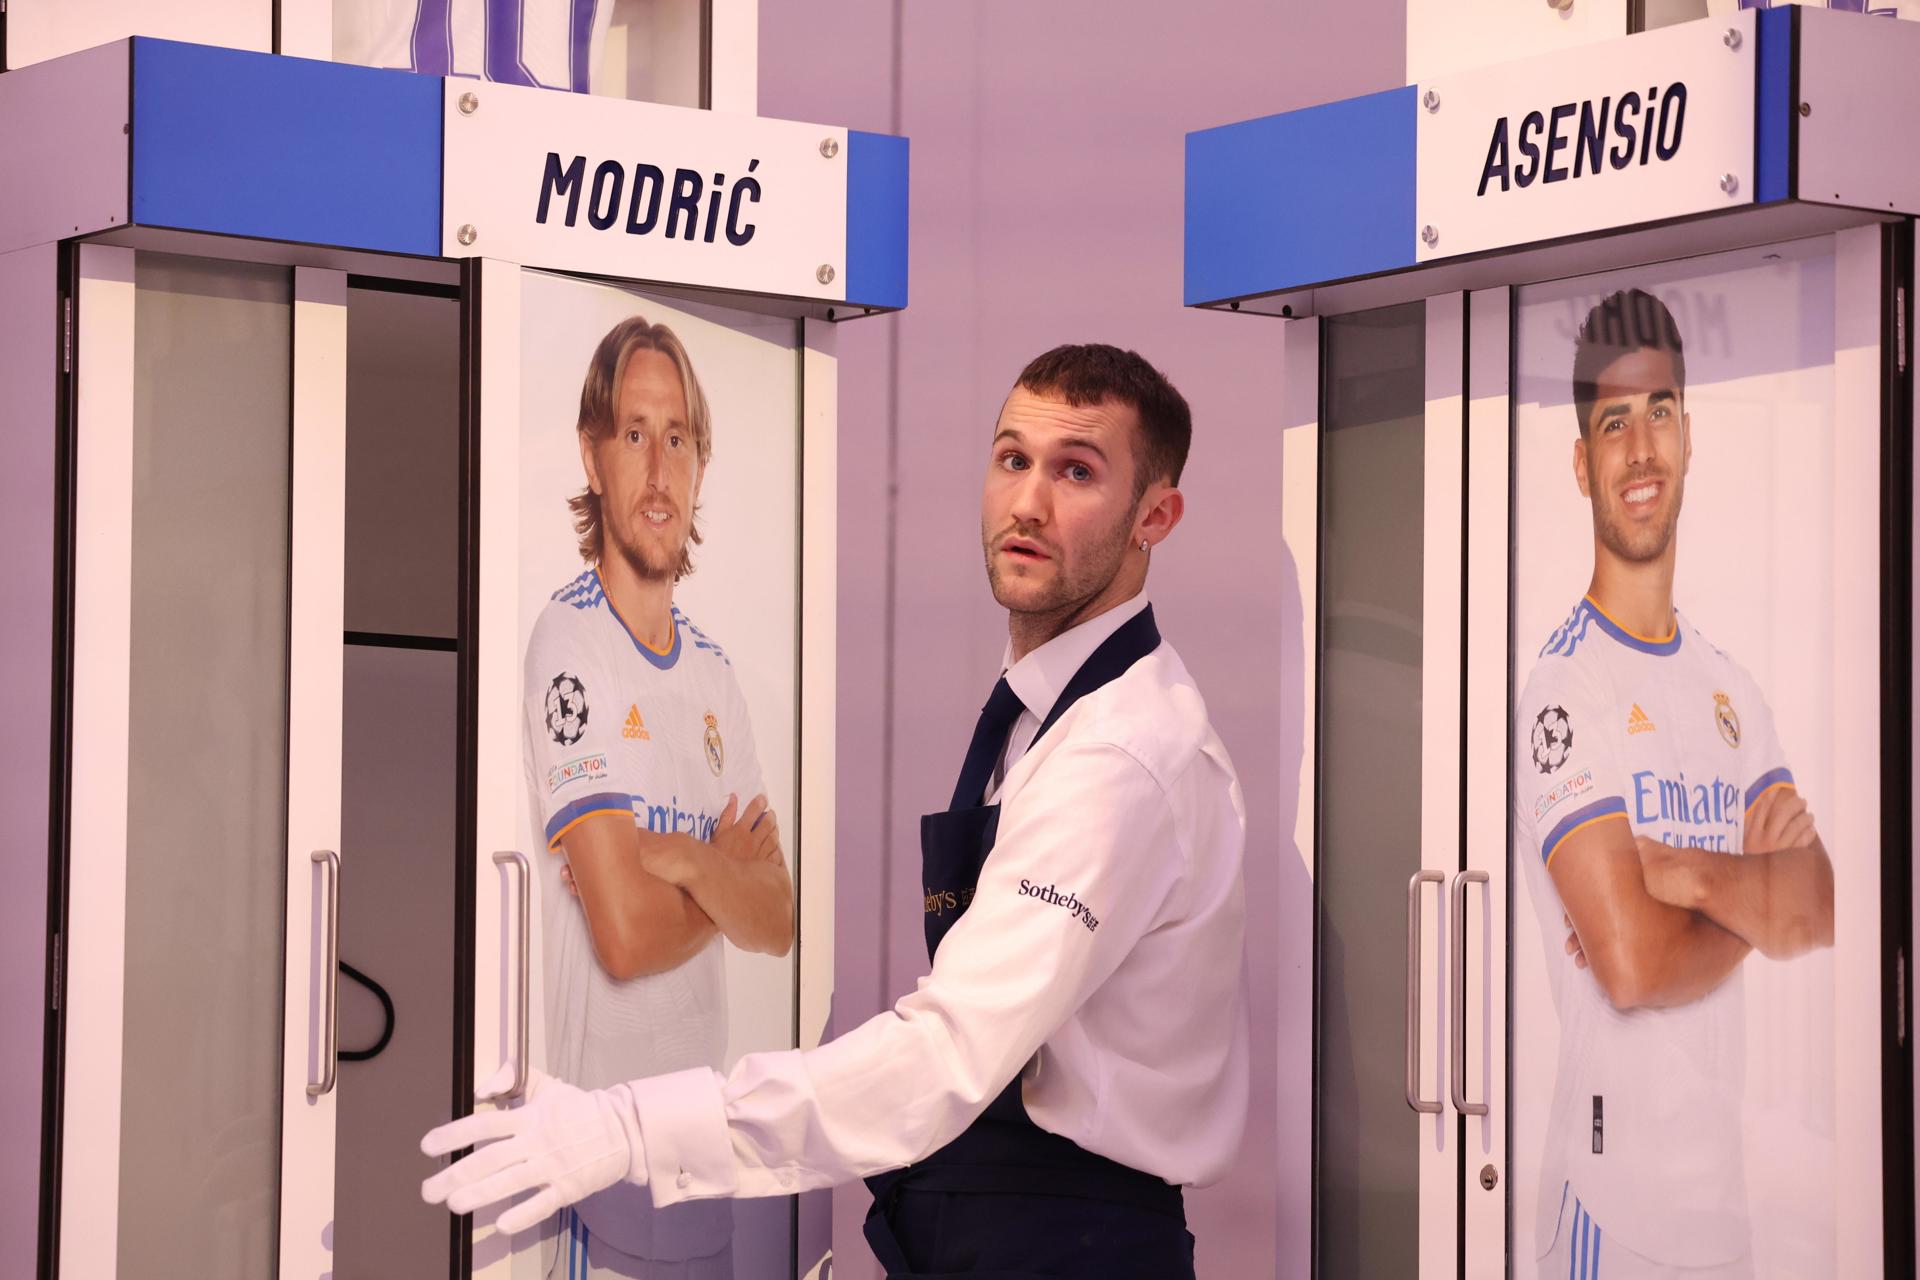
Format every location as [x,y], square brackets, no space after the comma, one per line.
[1656,816]
[1079,1052]
[645,785]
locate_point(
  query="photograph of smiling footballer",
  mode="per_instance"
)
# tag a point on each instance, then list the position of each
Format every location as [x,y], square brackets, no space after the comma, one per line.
[659,596]
[1686,804]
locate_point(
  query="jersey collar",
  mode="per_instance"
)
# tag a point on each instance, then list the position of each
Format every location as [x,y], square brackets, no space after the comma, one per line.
[1660,646]
[661,658]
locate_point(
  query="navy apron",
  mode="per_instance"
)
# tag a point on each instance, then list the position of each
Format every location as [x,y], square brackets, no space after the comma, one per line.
[1006,1200]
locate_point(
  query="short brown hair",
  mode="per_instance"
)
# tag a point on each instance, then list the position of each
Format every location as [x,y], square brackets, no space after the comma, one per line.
[597,406]
[1620,324]
[1091,373]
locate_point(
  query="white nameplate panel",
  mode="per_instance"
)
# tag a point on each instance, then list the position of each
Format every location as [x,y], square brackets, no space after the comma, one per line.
[1654,126]
[644,192]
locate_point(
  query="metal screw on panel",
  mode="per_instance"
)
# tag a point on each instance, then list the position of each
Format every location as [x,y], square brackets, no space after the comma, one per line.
[1489,1177]
[1732,38]
[1430,100]
[466,234]
[825,274]
[1729,183]
[1806,108]
[468,104]
[829,147]
[1429,235]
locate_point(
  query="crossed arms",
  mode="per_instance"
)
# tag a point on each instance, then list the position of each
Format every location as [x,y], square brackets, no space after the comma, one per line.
[653,901]
[1661,926]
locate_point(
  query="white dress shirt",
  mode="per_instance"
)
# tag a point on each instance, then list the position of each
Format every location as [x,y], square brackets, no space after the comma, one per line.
[1100,960]
[1041,677]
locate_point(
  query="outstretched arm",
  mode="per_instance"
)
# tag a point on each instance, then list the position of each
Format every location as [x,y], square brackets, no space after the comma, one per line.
[1643,952]
[1777,894]
[1103,843]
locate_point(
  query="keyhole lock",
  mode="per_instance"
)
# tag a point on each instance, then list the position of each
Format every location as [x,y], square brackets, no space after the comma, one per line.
[1489,1177]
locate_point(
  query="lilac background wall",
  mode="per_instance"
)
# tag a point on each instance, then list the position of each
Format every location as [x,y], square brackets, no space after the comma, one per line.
[1047,163]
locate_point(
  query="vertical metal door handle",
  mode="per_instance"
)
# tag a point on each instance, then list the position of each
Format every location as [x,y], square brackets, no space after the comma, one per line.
[522,1043]
[1459,1081]
[330,978]
[1414,1099]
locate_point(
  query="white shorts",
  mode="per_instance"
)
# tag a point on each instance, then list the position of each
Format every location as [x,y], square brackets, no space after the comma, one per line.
[584,1256]
[1582,1250]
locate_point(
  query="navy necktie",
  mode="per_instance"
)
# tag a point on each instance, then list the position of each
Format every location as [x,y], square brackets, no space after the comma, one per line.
[989,740]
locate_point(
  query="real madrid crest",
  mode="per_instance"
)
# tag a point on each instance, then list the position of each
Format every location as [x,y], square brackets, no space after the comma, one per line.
[716,751]
[1726,718]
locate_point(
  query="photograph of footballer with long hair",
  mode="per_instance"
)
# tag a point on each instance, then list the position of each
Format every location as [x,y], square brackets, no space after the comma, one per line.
[665,881]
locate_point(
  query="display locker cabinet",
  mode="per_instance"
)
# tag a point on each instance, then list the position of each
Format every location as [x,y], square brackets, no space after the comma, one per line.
[286,474]
[1530,399]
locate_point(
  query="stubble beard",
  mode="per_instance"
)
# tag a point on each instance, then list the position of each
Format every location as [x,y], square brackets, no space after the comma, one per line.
[1637,545]
[644,567]
[1073,586]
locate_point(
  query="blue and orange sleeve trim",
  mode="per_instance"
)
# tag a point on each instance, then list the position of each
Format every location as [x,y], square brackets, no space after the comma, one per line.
[578,811]
[1781,777]
[1601,810]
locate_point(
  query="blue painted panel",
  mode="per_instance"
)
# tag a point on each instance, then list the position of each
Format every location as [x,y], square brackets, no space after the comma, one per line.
[1309,196]
[285,148]
[876,219]
[1773,106]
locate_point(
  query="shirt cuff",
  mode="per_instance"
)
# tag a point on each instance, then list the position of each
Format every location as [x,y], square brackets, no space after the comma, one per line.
[683,1129]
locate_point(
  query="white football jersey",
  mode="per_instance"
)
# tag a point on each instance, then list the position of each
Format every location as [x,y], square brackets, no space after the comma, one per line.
[1675,737]
[614,726]
[553,44]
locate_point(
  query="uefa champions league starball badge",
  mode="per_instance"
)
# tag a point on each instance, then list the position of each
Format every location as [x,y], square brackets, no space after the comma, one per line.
[716,752]
[1552,738]
[567,709]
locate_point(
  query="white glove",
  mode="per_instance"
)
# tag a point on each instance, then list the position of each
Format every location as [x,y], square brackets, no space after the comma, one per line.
[569,1142]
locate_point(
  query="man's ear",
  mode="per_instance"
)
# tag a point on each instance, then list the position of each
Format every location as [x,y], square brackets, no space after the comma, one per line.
[1160,513]
[1580,465]
[586,461]
[1686,442]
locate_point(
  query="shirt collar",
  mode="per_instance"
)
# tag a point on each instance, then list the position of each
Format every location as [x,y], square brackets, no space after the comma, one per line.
[1041,677]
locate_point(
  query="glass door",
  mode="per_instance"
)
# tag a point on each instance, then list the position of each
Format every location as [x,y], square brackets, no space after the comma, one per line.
[202,866]
[1381,1124]
[1411,578]
[1705,998]
[1604,570]
[647,507]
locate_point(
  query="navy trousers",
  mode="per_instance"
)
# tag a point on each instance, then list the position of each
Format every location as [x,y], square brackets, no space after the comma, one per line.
[944,1235]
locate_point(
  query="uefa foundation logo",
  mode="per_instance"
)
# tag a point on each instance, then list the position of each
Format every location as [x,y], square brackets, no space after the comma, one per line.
[567,709]
[1552,738]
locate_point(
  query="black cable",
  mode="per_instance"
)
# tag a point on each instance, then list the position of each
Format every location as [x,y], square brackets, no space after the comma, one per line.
[386,1007]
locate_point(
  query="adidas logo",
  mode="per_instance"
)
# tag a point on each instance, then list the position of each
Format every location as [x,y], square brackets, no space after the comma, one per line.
[635,727]
[1639,721]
